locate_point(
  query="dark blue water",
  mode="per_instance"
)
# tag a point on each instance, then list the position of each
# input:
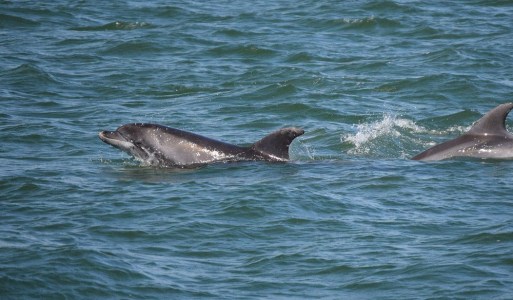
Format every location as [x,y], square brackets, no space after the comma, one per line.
[350,217]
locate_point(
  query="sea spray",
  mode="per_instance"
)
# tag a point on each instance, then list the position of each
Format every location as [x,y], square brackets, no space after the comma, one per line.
[390,137]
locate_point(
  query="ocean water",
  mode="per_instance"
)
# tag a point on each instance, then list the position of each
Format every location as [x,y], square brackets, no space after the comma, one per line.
[350,217]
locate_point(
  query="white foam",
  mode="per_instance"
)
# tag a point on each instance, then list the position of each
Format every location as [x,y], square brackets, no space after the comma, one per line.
[388,126]
[390,137]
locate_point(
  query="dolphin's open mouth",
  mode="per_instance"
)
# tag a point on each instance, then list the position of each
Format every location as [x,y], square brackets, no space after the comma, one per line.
[114,138]
[118,140]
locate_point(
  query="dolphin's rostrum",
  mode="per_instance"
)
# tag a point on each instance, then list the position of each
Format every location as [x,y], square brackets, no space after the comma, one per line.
[159,145]
[488,138]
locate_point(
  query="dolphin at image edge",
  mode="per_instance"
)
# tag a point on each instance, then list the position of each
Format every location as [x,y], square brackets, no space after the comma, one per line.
[487,138]
[159,145]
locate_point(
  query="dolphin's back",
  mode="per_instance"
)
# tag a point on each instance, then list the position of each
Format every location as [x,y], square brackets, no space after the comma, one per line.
[182,148]
[487,138]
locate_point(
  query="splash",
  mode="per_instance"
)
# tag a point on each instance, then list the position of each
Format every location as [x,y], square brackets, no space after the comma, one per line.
[389,126]
[302,151]
[390,137]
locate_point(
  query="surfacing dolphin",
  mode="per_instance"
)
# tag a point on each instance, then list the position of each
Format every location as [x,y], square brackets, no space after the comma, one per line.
[488,138]
[158,145]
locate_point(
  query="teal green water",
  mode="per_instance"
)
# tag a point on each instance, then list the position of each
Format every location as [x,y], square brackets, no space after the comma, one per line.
[350,217]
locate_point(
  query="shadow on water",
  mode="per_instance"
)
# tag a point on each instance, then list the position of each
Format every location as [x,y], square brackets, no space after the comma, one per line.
[232,173]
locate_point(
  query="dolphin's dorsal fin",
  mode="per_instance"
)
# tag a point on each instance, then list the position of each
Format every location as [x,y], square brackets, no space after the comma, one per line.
[276,145]
[494,122]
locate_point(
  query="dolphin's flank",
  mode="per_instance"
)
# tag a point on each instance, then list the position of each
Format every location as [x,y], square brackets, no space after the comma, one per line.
[159,145]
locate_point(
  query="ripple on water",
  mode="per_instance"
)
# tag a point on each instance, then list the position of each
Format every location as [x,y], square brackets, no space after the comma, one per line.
[10,21]
[116,25]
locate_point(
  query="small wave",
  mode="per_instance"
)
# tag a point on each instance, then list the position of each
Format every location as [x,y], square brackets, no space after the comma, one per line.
[371,22]
[243,50]
[451,124]
[300,57]
[357,23]
[445,54]
[384,138]
[390,6]
[276,90]
[25,73]
[419,81]
[117,25]
[486,238]
[8,21]
[435,82]
[230,32]
[443,33]
[132,47]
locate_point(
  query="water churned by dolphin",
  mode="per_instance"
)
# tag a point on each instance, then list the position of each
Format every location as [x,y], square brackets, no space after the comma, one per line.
[159,145]
[488,138]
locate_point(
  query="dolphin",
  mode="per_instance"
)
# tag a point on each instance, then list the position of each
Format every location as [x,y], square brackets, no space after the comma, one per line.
[487,138]
[158,145]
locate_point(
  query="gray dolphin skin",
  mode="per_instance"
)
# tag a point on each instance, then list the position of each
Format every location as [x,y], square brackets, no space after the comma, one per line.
[488,138]
[158,145]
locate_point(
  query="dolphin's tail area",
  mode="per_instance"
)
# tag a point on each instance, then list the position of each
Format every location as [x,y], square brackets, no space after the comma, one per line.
[276,145]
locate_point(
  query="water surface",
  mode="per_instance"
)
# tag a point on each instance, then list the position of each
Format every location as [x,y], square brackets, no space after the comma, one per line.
[371,82]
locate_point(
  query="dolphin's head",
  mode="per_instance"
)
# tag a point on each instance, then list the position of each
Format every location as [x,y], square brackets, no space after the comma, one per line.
[134,139]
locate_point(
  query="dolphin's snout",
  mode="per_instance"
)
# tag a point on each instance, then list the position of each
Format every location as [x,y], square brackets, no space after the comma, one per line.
[106,135]
[111,137]
[114,138]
